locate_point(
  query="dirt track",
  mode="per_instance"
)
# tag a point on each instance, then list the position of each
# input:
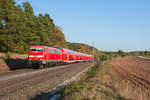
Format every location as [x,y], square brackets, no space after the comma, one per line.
[26,85]
[135,70]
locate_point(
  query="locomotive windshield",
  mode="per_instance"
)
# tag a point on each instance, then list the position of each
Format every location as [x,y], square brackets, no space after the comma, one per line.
[36,49]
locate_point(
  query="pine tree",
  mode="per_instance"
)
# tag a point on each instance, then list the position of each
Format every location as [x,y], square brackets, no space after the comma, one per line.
[7,16]
[31,37]
[41,30]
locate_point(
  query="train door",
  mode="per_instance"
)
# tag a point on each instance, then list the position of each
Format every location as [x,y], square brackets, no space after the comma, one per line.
[54,54]
[46,54]
[51,54]
[59,55]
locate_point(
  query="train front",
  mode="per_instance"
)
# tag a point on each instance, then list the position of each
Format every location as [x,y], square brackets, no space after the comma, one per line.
[36,56]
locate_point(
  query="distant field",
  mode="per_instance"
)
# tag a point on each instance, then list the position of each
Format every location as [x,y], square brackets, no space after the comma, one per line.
[134,70]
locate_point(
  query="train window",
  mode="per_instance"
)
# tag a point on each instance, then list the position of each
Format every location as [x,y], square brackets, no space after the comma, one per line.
[36,49]
[39,49]
[56,51]
[33,49]
[51,51]
[59,52]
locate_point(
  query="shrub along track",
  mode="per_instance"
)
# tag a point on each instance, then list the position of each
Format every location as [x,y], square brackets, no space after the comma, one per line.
[27,85]
[134,70]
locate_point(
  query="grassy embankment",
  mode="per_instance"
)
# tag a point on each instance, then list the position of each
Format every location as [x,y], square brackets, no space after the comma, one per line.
[99,83]
[12,61]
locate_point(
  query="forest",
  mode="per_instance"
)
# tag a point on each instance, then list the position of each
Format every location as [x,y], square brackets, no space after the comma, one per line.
[20,28]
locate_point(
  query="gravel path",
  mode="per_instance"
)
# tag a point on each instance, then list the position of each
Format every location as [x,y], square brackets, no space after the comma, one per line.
[28,85]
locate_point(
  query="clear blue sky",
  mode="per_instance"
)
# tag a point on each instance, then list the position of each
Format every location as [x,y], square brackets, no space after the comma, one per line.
[110,24]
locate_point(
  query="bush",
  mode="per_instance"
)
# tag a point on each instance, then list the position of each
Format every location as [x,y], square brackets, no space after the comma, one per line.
[121,53]
[8,55]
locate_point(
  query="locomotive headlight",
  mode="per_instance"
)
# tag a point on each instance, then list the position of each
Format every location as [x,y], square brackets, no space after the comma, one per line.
[31,56]
[39,56]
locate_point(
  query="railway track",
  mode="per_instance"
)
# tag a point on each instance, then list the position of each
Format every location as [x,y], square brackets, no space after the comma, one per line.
[8,73]
[11,86]
[128,72]
[43,78]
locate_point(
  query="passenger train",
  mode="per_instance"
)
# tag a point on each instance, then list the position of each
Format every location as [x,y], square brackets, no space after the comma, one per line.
[43,56]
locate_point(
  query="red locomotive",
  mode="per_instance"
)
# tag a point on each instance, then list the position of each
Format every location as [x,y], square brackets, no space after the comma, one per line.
[42,56]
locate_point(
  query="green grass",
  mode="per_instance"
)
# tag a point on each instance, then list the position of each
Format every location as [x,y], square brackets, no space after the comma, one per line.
[93,70]
[78,86]
[106,62]
[8,55]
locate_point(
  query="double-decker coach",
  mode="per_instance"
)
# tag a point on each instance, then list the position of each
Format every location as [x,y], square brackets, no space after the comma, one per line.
[68,56]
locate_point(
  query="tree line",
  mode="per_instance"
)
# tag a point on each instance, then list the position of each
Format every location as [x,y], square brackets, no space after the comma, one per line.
[20,28]
[120,53]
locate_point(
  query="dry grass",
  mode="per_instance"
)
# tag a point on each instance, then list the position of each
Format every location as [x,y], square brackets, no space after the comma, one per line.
[101,84]
[15,56]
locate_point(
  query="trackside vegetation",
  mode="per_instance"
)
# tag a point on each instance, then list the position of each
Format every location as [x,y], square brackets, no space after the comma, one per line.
[78,86]
[100,83]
